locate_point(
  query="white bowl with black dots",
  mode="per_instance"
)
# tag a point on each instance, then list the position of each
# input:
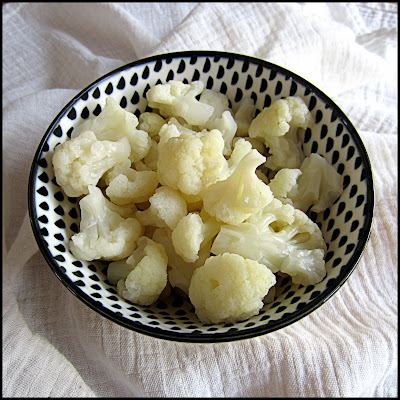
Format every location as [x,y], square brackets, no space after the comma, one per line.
[345,226]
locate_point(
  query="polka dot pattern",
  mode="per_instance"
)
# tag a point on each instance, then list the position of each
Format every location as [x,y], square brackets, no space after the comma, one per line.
[345,226]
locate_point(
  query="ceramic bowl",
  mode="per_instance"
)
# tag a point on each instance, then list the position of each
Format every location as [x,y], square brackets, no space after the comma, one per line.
[345,225]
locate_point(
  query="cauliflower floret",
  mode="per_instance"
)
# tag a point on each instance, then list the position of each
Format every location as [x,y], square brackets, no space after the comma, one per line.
[218,101]
[189,163]
[275,233]
[234,199]
[147,278]
[278,125]
[244,115]
[179,271]
[82,161]
[229,288]
[167,207]
[319,185]
[227,126]
[240,148]
[191,233]
[151,158]
[132,186]
[105,231]
[151,123]
[284,181]
[178,99]
[114,123]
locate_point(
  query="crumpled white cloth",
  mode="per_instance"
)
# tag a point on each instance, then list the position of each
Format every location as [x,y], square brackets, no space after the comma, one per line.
[54,346]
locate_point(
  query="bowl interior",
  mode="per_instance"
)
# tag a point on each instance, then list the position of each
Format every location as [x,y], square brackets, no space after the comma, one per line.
[345,226]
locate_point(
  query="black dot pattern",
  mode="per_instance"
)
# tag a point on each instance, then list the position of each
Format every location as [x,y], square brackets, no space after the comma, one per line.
[343,225]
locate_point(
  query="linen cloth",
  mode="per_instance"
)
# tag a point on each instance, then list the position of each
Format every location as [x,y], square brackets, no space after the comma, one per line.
[54,346]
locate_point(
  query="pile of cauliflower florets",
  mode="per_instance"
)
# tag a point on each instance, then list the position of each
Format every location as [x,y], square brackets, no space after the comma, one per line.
[180,198]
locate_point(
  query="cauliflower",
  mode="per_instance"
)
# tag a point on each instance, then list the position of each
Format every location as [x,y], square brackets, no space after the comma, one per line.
[179,271]
[151,123]
[275,233]
[151,158]
[132,186]
[218,101]
[167,207]
[318,186]
[146,272]
[191,233]
[277,125]
[189,163]
[114,123]
[234,199]
[227,126]
[106,232]
[244,115]
[229,288]
[178,99]
[284,181]
[240,148]
[82,161]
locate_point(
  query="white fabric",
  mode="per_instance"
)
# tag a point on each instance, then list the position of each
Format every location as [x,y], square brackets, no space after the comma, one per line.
[54,346]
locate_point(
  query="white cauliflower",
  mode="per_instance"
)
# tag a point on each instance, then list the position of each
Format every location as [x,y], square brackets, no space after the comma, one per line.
[284,181]
[244,115]
[218,101]
[221,117]
[229,288]
[132,186]
[179,271]
[318,186]
[227,126]
[178,99]
[234,199]
[151,158]
[167,207]
[151,123]
[82,161]
[114,123]
[271,236]
[191,233]
[147,273]
[106,232]
[189,163]
[278,126]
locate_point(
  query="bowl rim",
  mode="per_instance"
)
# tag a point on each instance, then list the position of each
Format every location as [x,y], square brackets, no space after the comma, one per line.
[230,335]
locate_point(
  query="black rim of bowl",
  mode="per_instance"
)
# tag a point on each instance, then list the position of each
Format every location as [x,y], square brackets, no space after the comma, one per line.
[233,334]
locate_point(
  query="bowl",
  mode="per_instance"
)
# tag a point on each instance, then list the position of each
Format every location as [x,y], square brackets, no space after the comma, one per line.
[345,225]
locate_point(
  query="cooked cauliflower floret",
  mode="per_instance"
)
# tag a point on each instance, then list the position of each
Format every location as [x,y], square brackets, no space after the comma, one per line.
[275,233]
[105,231]
[178,99]
[218,101]
[277,126]
[227,126]
[179,271]
[132,186]
[284,181]
[147,279]
[318,186]
[191,233]
[234,199]
[229,288]
[189,163]
[151,123]
[114,123]
[82,161]
[244,115]
[151,158]
[167,207]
